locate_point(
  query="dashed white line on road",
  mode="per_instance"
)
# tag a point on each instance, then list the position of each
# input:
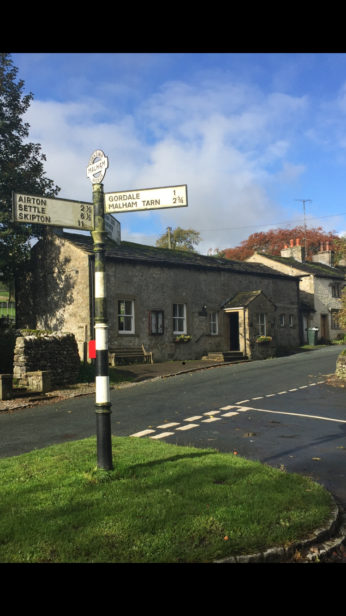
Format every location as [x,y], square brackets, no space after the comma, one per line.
[143,433]
[237,408]
[211,419]
[188,427]
[194,418]
[227,408]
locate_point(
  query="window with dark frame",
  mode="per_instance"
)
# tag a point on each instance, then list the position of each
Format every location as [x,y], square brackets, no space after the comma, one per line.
[156,322]
[334,319]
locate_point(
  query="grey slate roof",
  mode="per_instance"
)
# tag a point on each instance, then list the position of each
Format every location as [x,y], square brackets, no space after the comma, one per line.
[135,253]
[320,270]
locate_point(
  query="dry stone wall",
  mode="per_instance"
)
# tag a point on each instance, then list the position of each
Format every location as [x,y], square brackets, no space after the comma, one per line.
[56,352]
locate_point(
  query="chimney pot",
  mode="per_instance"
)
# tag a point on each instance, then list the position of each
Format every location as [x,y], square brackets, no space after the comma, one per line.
[291,243]
[297,241]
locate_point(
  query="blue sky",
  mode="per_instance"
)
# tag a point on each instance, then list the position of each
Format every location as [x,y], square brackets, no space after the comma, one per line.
[251,134]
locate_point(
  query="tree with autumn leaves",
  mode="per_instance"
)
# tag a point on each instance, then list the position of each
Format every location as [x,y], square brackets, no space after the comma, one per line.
[273,241]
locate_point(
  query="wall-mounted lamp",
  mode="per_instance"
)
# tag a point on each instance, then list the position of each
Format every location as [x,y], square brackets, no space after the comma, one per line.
[203,311]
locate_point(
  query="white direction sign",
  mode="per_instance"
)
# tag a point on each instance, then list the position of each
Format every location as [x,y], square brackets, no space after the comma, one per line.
[112,228]
[36,210]
[146,199]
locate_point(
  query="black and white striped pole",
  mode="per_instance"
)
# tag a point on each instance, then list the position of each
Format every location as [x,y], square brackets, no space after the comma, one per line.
[98,164]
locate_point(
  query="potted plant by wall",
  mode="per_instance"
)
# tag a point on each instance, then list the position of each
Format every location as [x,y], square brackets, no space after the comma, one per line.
[182,338]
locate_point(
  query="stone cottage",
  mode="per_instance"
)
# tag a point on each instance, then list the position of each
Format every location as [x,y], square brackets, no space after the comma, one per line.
[320,286]
[179,305]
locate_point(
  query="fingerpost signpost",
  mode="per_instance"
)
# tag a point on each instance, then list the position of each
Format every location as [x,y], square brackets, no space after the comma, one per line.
[96,218]
[96,170]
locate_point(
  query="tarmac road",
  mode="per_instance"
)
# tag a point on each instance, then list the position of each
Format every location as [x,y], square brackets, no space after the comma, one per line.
[278,411]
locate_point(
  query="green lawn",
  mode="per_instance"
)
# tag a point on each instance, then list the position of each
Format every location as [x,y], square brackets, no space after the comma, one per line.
[160,504]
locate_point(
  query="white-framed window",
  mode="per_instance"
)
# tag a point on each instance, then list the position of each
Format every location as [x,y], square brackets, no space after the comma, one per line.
[179,319]
[156,322]
[213,323]
[282,320]
[262,324]
[290,320]
[126,316]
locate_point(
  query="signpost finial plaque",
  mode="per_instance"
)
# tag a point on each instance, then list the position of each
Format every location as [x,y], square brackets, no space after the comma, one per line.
[97,167]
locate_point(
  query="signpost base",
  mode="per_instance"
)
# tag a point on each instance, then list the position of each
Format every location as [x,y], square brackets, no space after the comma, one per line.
[104,439]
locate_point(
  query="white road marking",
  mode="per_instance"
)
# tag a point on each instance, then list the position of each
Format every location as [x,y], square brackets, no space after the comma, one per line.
[295,414]
[237,406]
[188,427]
[143,433]
[193,418]
[227,408]
[211,419]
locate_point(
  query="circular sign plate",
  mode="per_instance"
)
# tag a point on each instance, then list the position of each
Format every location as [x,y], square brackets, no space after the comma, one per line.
[97,166]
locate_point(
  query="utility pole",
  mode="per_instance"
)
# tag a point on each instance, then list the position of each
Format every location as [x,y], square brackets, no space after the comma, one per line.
[303,201]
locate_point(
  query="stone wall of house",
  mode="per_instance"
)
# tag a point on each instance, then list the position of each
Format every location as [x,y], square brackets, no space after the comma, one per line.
[56,353]
[158,287]
[53,291]
[324,304]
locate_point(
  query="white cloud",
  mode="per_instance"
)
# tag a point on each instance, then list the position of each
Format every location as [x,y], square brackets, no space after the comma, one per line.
[226,141]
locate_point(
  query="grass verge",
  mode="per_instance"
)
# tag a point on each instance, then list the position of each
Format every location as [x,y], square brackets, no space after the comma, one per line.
[161,503]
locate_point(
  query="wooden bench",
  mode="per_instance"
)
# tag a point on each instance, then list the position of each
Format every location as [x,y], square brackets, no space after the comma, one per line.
[128,355]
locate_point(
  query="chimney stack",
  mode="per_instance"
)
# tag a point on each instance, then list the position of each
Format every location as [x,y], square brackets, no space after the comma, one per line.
[296,251]
[325,255]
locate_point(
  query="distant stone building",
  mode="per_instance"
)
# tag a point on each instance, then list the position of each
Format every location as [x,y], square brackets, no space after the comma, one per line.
[179,305]
[320,286]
